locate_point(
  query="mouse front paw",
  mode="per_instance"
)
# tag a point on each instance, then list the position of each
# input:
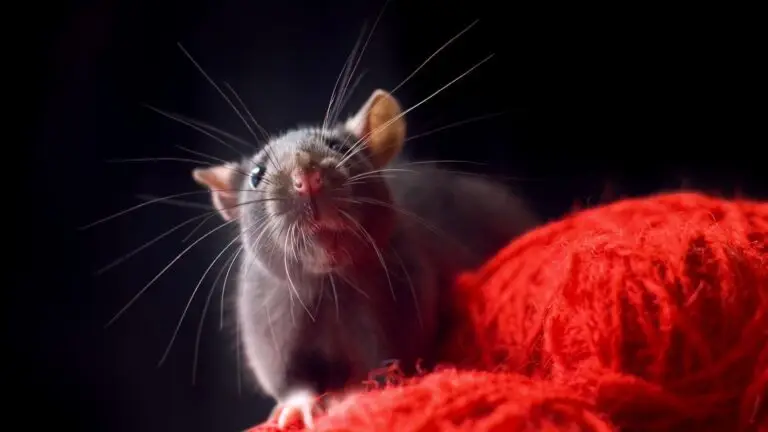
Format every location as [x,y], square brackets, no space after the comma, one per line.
[299,408]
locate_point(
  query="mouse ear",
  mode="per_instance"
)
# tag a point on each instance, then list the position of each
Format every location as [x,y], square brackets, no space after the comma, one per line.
[381,123]
[219,179]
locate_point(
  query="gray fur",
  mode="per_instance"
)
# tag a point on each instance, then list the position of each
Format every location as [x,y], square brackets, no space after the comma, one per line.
[447,222]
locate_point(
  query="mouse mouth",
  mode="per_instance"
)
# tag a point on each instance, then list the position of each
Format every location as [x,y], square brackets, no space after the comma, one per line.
[321,215]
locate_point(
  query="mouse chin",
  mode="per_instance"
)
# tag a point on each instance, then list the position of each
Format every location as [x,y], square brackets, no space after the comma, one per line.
[329,249]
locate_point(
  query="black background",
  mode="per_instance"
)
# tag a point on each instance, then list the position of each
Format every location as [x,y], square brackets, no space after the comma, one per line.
[597,104]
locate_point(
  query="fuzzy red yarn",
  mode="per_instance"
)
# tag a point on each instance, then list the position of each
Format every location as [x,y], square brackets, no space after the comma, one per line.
[645,314]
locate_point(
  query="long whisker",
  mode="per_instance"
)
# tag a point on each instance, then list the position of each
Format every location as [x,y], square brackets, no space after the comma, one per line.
[362,52]
[139,206]
[202,154]
[218,89]
[159,159]
[412,288]
[262,221]
[376,249]
[238,354]
[435,230]
[267,226]
[198,336]
[209,214]
[178,257]
[192,297]
[379,171]
[153,201]
[179,203]
[343,73]
[221,132]
[247,111]
[191,124]
[127,256]
[350,92]
[224,287]
[263,131]
[434,54]
[335,296]
[175,159]
[288,274]
[399,116]
[453,125]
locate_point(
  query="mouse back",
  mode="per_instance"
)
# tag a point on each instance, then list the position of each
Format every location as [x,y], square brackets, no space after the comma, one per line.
[462,218]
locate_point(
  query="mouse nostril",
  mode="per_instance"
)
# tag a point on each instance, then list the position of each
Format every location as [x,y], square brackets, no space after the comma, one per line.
[306,182]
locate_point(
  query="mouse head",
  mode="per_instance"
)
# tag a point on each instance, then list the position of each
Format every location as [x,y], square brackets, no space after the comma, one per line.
[316,195]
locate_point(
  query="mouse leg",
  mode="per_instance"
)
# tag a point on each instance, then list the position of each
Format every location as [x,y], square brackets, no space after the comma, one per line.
[306,384]
[300,405]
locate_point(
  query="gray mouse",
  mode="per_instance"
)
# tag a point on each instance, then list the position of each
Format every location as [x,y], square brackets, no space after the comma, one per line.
[347,249]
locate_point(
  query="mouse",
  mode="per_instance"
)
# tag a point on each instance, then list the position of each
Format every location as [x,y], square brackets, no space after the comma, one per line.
[347,248]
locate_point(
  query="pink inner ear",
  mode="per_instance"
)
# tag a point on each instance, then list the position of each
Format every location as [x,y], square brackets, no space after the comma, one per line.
[218,180]
[217,177]
[226,204]
[357,124]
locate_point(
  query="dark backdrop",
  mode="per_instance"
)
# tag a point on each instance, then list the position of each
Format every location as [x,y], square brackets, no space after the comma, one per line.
[596,104]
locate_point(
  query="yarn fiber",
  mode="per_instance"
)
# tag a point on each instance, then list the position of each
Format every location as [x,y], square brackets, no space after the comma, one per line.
[644,314]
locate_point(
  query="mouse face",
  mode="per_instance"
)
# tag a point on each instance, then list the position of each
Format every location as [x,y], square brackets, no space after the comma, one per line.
[312,194]
[300,189]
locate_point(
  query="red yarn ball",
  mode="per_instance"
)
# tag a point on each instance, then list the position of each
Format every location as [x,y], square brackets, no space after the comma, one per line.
[657,308]
[646,314]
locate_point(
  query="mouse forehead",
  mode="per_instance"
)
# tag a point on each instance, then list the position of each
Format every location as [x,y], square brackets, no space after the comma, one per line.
[314,141]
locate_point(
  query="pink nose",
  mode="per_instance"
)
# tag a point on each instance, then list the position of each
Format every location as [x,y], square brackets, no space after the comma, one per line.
[307,182]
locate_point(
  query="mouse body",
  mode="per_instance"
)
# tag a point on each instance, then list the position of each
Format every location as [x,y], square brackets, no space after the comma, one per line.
[346,250]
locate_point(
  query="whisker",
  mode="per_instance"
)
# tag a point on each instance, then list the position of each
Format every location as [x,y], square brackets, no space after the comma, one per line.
[335,296]
[191,124]
[412,288]
[209,214]
[239,367]
[197,227]
[202,154]
[362,52]
[434,54]
[127,256]
[224,288]
[218,89]
[263,131]
[288,273]
[172,159]
[264,222]
[247,111]
[378,171]
[199,334]
[192,297]
[179,203]
[453,125]
[178,257]
[376,249]
[159,159]
[349,282]
[139,206]
[351,91]
[399,116]
[343,73]
[435,230]
[223,133]
[158,200]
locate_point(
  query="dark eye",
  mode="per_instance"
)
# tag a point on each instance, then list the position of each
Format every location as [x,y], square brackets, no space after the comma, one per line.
[335,144]
[257,173]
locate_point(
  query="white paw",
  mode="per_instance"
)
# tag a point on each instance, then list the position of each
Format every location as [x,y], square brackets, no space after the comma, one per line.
[301,404]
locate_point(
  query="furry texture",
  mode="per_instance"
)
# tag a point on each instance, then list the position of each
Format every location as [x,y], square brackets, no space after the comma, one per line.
[646,314]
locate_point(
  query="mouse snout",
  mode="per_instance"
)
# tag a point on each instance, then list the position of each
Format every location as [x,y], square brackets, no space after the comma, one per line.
[307,181]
